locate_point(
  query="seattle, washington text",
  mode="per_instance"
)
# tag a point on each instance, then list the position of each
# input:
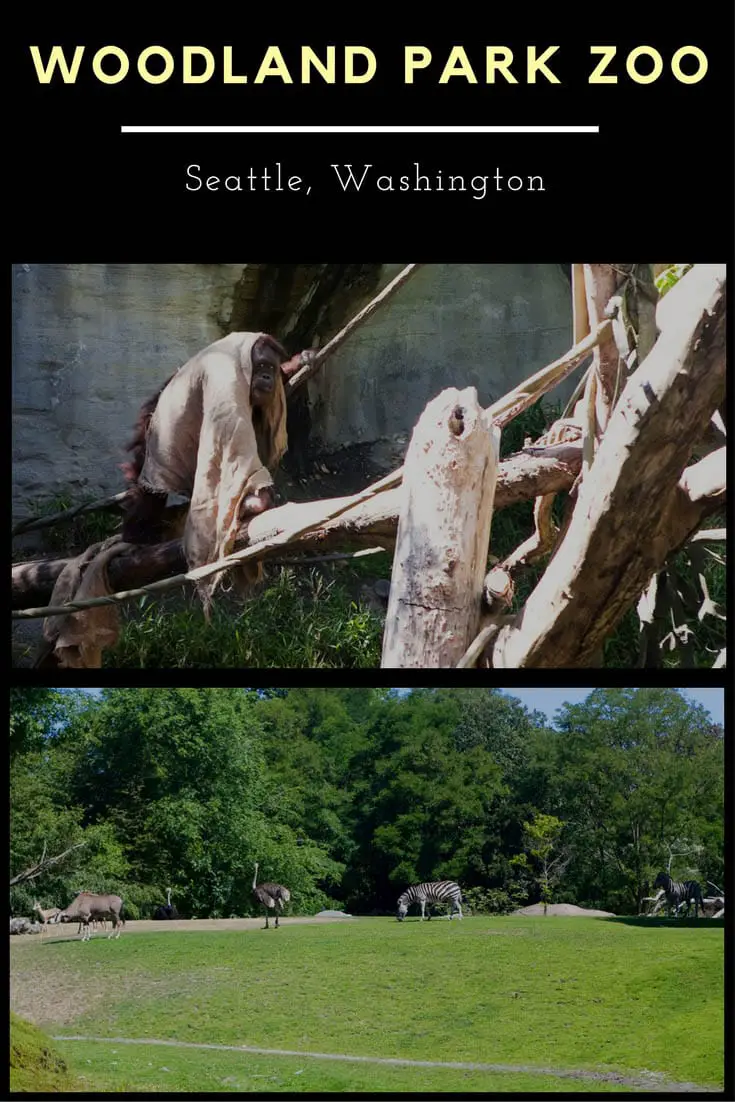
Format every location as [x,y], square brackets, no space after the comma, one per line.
[353,179]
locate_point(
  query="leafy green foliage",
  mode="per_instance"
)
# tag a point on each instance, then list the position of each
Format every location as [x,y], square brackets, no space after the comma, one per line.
[348,795]
[542,838]
[303,618]
[488,901]
[687,618]
[633,770]
[670,277]
[33,710]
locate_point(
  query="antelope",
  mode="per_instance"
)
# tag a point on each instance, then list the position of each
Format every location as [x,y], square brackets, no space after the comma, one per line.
[45,916]
[88,907]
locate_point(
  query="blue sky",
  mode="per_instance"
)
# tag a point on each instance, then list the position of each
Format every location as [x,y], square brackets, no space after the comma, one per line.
[549,700]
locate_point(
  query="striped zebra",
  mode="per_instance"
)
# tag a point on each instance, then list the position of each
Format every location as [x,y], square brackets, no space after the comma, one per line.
[679,892]
[437,892]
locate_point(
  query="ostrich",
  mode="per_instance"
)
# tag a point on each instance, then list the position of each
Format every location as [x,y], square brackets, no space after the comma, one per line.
[167,911]
[272,896]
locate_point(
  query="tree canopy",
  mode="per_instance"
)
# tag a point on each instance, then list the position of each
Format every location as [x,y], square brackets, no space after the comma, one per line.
[347,796]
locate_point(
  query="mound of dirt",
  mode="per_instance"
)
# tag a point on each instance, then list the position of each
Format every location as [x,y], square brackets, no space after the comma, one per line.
[568,909]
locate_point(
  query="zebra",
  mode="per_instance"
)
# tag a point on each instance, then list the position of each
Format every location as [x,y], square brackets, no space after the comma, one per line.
[679,892]
[430,893]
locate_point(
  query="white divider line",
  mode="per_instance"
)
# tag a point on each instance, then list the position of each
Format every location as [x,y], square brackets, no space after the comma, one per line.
[359,129]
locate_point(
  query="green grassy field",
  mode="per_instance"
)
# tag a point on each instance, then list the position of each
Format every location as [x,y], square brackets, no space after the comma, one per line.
[536,994]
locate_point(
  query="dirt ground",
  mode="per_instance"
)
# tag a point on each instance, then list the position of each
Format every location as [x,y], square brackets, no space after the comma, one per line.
[68,932]
[564,909]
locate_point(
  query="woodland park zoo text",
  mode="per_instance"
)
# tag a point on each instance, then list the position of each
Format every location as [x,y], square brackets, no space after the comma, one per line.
[356,179]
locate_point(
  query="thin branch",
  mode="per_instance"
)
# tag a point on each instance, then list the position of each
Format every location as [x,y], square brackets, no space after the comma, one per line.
[31,524]
[295,381]
[310,369]
[502,412]
[210,569]
[528,393]
[335,556]
[710,535]
[477,646]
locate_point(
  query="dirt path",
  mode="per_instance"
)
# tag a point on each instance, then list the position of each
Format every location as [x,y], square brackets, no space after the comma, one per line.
[646,1081]
[68,932]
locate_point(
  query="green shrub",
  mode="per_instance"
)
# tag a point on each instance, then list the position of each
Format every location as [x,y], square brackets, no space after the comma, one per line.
[488,901]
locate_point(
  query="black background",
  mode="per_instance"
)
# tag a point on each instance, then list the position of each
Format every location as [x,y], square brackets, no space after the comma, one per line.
[659,176]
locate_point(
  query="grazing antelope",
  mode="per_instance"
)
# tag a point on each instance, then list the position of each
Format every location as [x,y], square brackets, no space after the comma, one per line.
[88,907]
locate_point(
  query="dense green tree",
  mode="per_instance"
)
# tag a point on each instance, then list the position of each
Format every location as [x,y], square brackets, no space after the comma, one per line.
[351,794]
[634,770]
[34,711]
[43,822]
[180,773]
[427,808]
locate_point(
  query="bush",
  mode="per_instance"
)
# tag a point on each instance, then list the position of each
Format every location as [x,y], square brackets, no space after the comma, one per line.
[488,901]
[141,900]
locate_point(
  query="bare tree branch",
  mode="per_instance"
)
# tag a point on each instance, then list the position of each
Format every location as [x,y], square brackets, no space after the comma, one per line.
[45,863]
[380,299]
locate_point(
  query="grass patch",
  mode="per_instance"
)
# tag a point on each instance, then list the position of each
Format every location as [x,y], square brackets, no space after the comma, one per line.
[539,993]
[302,618]
[154,1068]
[36,1065]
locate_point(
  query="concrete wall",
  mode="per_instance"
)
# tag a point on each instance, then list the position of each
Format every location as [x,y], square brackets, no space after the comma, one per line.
[90,342]
[482,325]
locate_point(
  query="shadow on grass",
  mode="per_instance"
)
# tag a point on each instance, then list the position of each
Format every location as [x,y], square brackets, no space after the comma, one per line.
[643,920]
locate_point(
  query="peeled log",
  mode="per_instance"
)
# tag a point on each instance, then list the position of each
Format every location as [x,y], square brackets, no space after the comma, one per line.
[521,478]
[449,479]
[623,528]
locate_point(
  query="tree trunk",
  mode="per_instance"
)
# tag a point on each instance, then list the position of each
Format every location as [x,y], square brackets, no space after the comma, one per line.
[449,481]
[373,523]
[627,517]
[601,281]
